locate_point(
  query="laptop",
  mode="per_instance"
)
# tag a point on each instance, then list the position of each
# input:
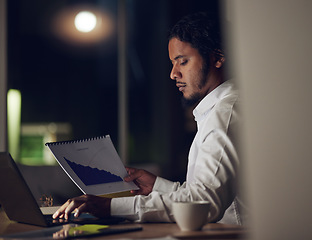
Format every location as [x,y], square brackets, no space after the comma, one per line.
[20,205]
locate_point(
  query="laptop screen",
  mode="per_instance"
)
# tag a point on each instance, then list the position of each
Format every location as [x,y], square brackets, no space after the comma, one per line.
[15,195]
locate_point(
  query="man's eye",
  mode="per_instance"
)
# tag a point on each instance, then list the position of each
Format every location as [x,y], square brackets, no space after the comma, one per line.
[184,62]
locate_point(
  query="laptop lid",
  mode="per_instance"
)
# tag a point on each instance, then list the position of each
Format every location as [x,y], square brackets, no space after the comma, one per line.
[15,195]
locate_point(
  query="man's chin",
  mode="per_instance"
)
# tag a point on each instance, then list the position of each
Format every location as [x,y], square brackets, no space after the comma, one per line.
[190,102]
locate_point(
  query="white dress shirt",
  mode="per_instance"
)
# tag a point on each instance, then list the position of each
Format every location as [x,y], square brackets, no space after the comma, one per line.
[212,172]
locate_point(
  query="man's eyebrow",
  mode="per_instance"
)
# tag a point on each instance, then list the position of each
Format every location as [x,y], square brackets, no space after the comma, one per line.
[179,56]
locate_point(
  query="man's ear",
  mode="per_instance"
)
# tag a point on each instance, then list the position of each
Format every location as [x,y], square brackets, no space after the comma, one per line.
[219,63]
[218,58]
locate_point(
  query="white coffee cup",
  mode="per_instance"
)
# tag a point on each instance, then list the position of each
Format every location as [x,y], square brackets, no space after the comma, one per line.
[191,216]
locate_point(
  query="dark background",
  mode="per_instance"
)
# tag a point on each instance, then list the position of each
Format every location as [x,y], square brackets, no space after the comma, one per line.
[63,82]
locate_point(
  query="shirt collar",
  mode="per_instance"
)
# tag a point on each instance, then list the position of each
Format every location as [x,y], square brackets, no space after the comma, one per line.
[207,103]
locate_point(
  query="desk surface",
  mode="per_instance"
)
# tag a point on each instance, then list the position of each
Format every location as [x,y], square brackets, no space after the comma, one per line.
[150,230]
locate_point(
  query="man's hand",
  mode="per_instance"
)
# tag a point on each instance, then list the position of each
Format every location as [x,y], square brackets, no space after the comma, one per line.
[143,179]
[97,206]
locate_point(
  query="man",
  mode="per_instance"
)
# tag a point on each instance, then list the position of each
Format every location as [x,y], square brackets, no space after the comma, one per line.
[198,60]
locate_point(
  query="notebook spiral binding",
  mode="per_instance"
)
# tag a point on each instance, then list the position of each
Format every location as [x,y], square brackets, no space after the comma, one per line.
[76,141]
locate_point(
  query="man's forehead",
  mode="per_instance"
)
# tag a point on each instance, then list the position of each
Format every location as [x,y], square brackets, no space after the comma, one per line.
[178,49]
[177,44]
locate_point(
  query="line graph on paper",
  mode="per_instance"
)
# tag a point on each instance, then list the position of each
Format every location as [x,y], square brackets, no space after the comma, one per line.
[92,176]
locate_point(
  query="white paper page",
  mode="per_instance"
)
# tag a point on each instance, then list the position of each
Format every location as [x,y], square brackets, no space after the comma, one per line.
[93,164]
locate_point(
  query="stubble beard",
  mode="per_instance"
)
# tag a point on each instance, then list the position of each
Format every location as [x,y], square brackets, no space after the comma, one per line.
[196,96]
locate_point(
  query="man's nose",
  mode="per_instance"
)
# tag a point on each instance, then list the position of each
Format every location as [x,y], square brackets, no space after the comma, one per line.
[175,73]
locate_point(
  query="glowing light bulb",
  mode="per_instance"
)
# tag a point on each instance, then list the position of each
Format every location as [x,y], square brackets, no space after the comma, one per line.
[85,21]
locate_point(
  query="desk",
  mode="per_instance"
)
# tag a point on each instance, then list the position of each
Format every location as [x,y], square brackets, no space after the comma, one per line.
[150,230]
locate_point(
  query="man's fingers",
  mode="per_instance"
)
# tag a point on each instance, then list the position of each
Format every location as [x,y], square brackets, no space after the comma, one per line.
[61,210]
[130,172]
[138,192]
[132,175]
[80,210]
[66,209]
[71,207]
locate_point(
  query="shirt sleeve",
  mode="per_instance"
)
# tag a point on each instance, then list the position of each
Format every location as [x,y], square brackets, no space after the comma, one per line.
[165,186]
[131,207]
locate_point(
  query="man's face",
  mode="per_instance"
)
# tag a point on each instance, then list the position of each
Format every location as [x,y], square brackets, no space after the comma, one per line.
[192,77]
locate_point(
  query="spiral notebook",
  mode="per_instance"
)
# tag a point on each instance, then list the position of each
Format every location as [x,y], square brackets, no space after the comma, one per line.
[93,165]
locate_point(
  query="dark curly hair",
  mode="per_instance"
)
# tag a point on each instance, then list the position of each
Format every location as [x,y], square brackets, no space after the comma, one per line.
[202,31]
